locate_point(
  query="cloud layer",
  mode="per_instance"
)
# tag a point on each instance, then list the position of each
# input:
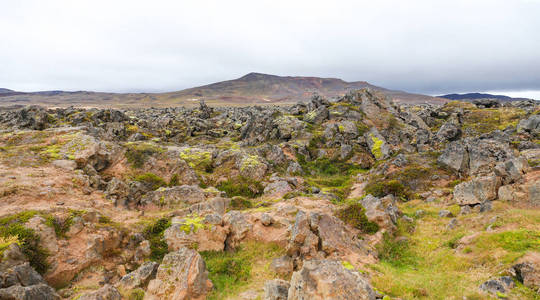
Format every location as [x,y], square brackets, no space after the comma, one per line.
[420,46]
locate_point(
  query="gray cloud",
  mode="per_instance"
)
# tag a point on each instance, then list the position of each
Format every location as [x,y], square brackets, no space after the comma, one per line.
[420,46]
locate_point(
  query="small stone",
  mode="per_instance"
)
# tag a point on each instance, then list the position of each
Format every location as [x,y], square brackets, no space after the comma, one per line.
[465,210]
[452,224]
[267,219]
[445,214]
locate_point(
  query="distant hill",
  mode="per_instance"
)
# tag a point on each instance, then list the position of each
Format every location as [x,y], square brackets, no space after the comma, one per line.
[4,91]
[474,96]
[253,88]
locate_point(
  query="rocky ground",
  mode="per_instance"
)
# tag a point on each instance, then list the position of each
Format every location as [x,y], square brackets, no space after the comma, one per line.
[354,198]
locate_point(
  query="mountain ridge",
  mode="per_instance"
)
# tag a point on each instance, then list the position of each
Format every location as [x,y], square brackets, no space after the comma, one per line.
[252,88]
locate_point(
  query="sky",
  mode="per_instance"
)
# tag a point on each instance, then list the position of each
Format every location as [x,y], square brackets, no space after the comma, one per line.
[425,46]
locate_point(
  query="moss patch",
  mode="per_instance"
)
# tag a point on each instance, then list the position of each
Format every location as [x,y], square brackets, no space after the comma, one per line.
[241,186]
[138,153]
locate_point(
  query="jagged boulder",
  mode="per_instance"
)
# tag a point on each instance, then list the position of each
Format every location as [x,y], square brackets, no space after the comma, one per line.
[328,280]
[182,275]
[140,277]
[530,125]
[477,190]
[455,157]
[512,170]
[239,226]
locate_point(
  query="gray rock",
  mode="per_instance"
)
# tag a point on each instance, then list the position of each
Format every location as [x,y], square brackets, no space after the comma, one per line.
[477,190]
[22,274]
[455,157]
[239,227]
[530,125]
[452,224]
[512,170]
[445,214]
[500,285]
[267,219]
[277,188]
[140,277]
[37,291]
[182,195]
[276,289]
[528,273]
[328,279]
[282,265]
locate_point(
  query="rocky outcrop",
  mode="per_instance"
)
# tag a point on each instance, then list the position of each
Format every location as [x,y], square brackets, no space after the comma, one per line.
[203,234]
[182,275]
[527,270]
[22,282]
[183,195]
[328,279]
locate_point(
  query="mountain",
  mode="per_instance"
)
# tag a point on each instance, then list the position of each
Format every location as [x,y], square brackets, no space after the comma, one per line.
[474,96]
[253,88]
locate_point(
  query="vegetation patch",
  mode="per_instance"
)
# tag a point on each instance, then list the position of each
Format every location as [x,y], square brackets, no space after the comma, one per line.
[355,215]
[198,159]
[241,186]
[12,229]
[151,180]
[232,272]
[376,147]
[154,234]
[138,153]
[381,188]
[333,176]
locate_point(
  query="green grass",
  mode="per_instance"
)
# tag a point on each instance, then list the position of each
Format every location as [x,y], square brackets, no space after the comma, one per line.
[232,272]
[153,232]
[354,215]
[241,186]
[333,176]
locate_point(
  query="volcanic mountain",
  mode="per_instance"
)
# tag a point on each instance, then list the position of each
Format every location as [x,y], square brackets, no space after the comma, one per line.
[253,88]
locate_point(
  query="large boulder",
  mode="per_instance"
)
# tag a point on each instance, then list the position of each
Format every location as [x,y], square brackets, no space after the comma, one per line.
[382,211]
[239,226]
[455,157]
[477,190]
[182,275]
[328,280]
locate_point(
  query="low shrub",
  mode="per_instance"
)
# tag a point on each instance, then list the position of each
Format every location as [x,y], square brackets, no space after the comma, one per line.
[241,186]
[396,252]
[154,234]
[381,188]
[12,228]
[151,180]
[137,154]
[355,215]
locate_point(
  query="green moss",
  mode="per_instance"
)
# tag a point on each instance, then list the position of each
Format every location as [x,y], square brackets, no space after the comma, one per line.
[138,153]
[355,215]
[192,224]
[154,234]
[347,265]
[198,159]
[152,180]
[376,147]
[241,186]
[515,241]
[136,294]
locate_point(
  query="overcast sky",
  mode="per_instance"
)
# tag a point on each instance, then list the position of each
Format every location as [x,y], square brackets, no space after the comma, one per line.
[429,46]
